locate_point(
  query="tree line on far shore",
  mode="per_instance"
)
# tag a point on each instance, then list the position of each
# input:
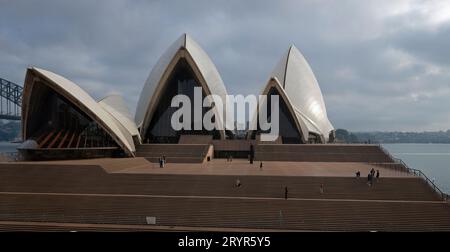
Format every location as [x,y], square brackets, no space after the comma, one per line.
[344,136]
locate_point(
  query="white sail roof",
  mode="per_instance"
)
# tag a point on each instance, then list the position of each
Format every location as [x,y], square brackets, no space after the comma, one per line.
[183,47]
[116,107]
[83,101]
[300,85]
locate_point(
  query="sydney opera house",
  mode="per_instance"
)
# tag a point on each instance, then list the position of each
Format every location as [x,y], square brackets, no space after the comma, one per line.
[74,125]
[90,165]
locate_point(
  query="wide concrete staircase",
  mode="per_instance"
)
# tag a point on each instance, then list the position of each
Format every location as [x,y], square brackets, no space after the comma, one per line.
[87,194]
[321,153]
[94,180]
[174,153]
[229,213]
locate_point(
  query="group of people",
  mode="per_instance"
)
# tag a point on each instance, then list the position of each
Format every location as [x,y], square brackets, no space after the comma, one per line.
[371,176]
[162,161]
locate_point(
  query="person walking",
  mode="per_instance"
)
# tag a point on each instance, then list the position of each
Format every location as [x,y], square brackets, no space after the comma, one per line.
[285,192]
[321,189]
[260,166]
[378,174]
[238,183]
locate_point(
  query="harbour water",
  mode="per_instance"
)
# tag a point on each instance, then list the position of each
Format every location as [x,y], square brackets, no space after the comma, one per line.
[8,147]
[432,159]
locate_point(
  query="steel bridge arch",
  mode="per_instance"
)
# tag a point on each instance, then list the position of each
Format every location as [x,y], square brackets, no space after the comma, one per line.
[10,100]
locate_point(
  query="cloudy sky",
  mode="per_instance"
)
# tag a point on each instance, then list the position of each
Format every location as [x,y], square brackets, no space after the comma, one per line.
[381,65]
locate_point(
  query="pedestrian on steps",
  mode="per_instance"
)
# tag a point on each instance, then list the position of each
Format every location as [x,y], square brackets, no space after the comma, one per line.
[369,179]
[238,183]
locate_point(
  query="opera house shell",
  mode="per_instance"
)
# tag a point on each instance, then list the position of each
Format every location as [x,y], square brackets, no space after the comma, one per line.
[303,116]
[182,67]
[59,119]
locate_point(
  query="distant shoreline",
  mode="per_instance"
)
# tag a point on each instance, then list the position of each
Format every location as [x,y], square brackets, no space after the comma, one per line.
[378,137]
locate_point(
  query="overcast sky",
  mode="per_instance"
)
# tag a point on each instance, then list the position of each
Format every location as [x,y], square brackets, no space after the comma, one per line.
[381,65]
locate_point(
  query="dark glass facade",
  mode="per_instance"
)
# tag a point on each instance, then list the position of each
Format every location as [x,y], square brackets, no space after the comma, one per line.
[287,131]
[54,122]
[181,81]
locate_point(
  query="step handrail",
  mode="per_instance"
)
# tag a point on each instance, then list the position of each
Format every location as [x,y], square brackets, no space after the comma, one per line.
[386,152]
[419,173]
[416,172]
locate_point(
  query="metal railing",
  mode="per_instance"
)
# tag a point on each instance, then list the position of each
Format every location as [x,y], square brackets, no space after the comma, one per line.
[387,152]
[419,173]
[416,172]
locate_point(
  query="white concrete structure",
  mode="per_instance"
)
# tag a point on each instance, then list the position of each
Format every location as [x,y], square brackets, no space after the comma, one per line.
[38,79]
[116,107]
[204,69]
[296,84]
[184,61]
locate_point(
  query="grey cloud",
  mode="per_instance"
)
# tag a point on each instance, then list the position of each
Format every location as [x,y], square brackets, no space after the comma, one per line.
[376,70]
